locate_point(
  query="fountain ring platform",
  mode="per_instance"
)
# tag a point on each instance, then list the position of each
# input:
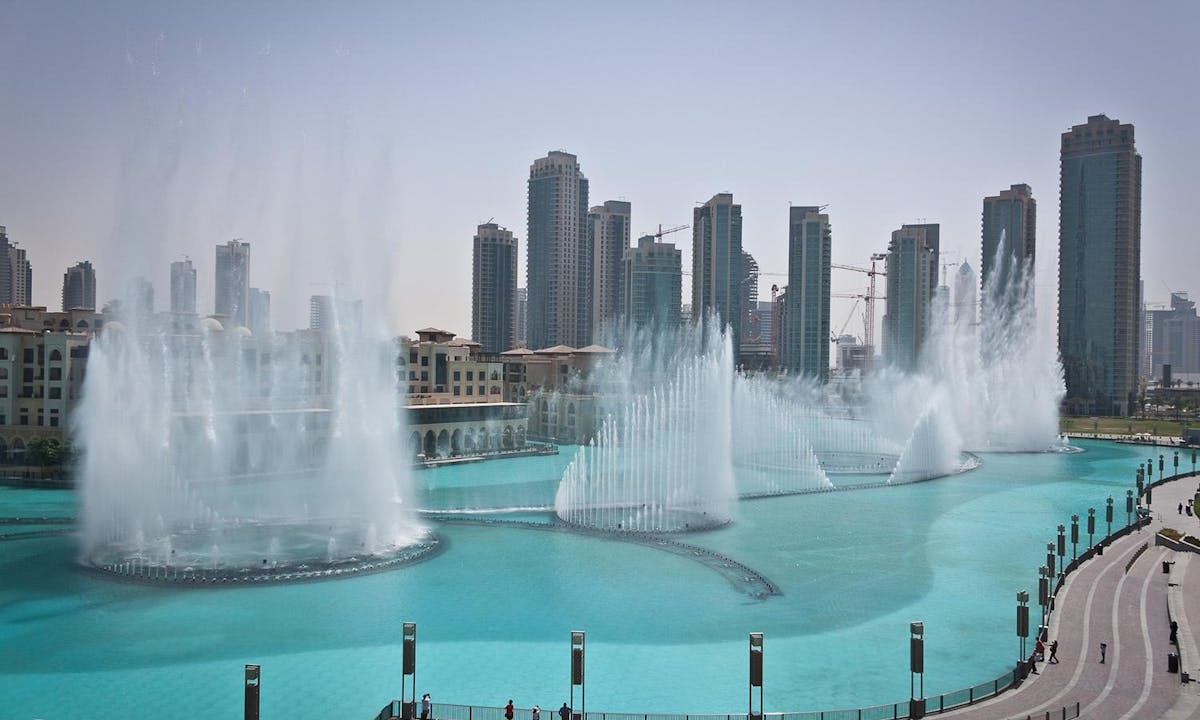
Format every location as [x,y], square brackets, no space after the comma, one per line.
[297,552]
[639,519]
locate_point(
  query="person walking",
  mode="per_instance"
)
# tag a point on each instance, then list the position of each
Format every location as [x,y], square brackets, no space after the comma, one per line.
[1039,650]
[426,706]
[1103,649]
[508,710]
[1053,659]
[536,713]
[564,712]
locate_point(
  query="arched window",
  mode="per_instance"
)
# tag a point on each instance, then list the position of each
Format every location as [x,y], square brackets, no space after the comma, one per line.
[55,355]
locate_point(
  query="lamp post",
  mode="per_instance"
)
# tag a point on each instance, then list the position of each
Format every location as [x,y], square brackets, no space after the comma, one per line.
[1043,590]
[1091,526]
[1108,515]
[1193,461]
[1074,536]
[756,672]
[1062,547]
[916,661]
[1176,462]
[1141,484]
[1150,467]
[577,675]
[408,670]
[1128,507]
[251,694]
[1160,467]
[1022,628]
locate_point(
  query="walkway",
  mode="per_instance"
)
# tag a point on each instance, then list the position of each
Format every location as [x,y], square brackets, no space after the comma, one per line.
[1102,602]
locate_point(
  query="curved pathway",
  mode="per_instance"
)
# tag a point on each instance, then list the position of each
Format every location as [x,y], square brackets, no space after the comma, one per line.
[1104,602]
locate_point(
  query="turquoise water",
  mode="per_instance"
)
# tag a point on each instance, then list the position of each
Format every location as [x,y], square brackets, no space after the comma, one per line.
[665,633]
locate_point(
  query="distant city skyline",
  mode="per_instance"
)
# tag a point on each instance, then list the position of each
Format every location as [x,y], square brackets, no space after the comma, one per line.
[147,132]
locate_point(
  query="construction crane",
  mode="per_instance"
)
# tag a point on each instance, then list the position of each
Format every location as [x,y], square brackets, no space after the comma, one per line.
[658,235]
[870,297]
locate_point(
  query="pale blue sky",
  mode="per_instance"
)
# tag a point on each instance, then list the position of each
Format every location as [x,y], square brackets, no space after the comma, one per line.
[361,143]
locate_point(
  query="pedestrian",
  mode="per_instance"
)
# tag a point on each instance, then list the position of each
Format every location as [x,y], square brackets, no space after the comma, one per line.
[426,706]
[536,713]
[564,712]
[1039,650]
[508,710]
[1033,664]
[1180,508]
[1053,652]
[1103,649]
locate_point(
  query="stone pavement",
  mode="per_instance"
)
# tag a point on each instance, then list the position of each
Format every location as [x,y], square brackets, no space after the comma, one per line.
[1119,598]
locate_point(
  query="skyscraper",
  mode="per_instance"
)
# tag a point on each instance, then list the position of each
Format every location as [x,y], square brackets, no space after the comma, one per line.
[327,314]
[1013,215]
[139,293]
[810,240]
[183,287]
[232,282]
[79,287]
[558,256]
[16,274]
[1099,266]
[494,289]
[258,319]
[912,270]
[608,231]
[717,272]
[653,285]
[522,313]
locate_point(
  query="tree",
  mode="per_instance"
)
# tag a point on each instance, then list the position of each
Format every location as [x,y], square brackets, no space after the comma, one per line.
[47,452]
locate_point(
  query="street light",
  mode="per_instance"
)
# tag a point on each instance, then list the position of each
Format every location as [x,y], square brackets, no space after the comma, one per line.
[1128,507]
[756,672]
[1091,526]
[1074,535]
[1177,463]
[1050,560]
[1160,467]
[1141,484]
[1108,515]
[1062,547]
[1022,627]
[916,661]
[1043,590]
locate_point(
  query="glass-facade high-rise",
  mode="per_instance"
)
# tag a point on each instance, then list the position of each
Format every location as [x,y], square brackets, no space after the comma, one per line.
[653,284]
[232,282]
[494,289]
[717,272]
[608,234]
[79,287]
[1011,215]
[810,240]
[183,287]
[16,274]
[912,265]
[558,262]
[1099,266]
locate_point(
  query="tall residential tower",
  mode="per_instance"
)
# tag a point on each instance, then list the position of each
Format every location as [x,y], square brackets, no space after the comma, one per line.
[16,274]
[79,287]
[1099,266]
[232,282]
[1012,215]
[608,231]
[810,240]
[494,289]
[717,272]
[558,264]
[183,287]
[912,271]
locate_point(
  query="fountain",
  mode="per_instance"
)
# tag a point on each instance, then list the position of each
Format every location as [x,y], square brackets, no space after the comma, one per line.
[213,456]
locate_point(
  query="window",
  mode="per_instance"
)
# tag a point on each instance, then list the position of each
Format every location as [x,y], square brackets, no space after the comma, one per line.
[456,390]
[53,421]
[3,353]
[28,355]
[470,375]
[457,375]
[424,361]
[469,389]
[56,372]
[28,374]
[55,356]
[425,375]
[56,393]
[24,418]
[481,391]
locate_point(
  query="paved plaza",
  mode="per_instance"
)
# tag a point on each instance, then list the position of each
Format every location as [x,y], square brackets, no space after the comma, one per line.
[1120,598]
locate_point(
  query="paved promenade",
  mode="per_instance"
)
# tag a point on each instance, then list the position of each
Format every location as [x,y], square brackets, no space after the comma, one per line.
[1119,598]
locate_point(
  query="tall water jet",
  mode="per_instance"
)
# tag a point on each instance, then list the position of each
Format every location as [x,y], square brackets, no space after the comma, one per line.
[661,460]
[773,440]
[211,455]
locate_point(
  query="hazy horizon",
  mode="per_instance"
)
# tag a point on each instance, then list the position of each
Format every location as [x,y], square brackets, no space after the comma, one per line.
[362,146]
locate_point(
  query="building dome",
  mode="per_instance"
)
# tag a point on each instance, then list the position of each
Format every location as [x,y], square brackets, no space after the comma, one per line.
[243,331]
[211,325]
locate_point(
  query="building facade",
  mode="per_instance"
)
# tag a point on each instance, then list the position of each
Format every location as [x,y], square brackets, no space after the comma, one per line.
[231,284]
[558,261]
[522,311]
[717,266]
[79,287]
[16,274]
[608,232]
[1174,338]
[1011,215]
[183,288]
[912,270]
[259,316]
[494,288]
[653,285]
[1099,266]
[810,240]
